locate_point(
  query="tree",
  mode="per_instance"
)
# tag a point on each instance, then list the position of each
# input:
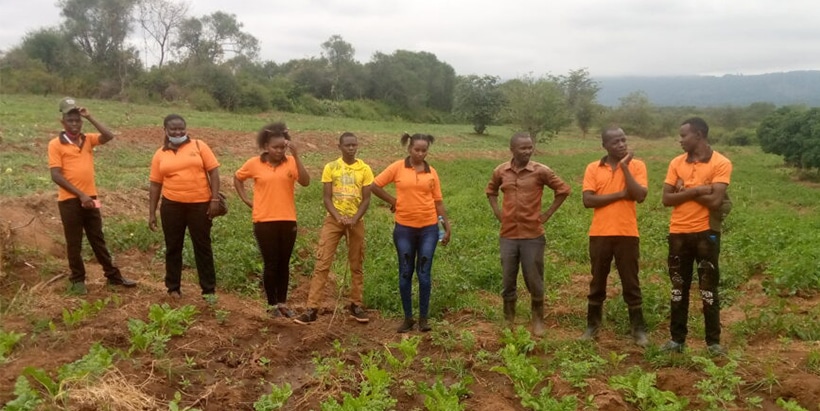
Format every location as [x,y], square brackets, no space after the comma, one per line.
[210,38]
[793,134]
[99,28]
[159,19]
[411,80]
[635,114]
[581,91]
[347,79]
[478,100]
[536,105]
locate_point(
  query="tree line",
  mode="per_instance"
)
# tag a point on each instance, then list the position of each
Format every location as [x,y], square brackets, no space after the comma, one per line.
[210,63]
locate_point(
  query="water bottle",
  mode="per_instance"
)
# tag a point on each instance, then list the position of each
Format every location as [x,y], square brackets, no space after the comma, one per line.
[441,230]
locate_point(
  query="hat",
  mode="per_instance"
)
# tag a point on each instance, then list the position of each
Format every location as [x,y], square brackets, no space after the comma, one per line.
[68,104]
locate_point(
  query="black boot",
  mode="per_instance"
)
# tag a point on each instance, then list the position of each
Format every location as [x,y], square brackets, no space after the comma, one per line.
[638,327]
[594,315]
[509,313]
[538,318]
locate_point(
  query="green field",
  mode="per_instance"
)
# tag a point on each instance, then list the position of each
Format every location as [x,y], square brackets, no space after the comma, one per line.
[770,277]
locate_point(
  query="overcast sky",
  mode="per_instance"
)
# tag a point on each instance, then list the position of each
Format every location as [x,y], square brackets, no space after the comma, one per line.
[509,38]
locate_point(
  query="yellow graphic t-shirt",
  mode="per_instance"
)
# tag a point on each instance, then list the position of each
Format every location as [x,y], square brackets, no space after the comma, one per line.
[348,181]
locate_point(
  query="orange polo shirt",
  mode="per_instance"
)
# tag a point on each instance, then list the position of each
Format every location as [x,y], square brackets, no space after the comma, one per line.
[691,216]
[618,218]
[416,193]
[182,171]
[523,189]
[273,188]
[76,162]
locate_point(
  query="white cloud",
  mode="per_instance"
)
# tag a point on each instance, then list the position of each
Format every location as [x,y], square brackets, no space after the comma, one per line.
[514,37]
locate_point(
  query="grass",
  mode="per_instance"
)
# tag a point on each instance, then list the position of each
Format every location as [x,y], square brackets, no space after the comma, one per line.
[770,237]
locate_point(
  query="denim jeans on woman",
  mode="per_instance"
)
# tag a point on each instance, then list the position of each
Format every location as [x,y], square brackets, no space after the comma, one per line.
[415,248]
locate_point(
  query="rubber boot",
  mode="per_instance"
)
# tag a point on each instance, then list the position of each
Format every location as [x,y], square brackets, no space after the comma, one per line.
[638,327]
[594,316]
[538,318]
[509,313]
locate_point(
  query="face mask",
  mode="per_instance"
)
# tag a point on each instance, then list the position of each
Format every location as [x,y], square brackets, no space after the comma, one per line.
[177,140]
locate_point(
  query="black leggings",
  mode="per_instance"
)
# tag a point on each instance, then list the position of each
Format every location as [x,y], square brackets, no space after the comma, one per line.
[275,240]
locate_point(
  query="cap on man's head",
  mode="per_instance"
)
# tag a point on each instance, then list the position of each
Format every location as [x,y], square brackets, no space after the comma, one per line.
[67,105]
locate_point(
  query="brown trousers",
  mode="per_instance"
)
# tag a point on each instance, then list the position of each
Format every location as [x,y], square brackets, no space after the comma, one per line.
[332,232]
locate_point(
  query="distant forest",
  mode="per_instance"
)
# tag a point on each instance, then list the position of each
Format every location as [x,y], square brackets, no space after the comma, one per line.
[790,88]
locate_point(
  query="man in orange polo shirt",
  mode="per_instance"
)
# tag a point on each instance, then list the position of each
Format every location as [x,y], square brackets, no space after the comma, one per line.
[522,241]
[612,186]
[71,162]
[695,184]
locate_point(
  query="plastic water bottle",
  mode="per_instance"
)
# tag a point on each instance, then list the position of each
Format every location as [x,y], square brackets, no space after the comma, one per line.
[441,230]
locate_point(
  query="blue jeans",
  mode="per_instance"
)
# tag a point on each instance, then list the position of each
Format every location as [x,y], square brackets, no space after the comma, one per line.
[415,248]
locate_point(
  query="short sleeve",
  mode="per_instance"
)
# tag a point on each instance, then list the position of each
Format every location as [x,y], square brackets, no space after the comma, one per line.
[367,178]
[327,173]
[155,176]
[723,172]
[246,171]
[638,169]
[589,178]
[437,196]
[208,158]
[387,176]
[54,157]
[93,139]
[671,173]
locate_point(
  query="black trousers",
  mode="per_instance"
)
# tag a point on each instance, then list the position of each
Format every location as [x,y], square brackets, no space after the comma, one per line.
[77,219]
[626,252]
[176,217]
[275,240]
[686,250]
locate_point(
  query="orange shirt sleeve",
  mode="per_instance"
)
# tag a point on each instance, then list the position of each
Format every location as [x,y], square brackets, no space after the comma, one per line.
[638,170]
[209,160]
[154,176]
[589,177]
[54,157]
[388,175]
[246,171]
[436,185]
[672,172]
[723,172]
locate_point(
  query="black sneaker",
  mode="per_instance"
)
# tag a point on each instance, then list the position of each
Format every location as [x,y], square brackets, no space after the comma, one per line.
[307,317]
[406,326]
[121,281]
[357,313]
[77,288]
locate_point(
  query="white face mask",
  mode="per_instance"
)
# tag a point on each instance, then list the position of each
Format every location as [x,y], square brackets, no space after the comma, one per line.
[177,140]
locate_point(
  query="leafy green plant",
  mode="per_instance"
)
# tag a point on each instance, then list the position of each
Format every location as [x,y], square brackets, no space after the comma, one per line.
[165,322]
[813,361]
[721,388]
[439,397]
[275,400]
[639,389]
[173,405]
[790,405]
[86,310]
[408,347]
[87,369]
[374,391]
[27,398]
[8,339]
[520,339]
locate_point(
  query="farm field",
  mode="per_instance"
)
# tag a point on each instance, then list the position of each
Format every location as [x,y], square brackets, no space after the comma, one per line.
[135,349]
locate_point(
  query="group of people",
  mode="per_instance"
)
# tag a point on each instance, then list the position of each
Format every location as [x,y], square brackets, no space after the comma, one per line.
[184,175]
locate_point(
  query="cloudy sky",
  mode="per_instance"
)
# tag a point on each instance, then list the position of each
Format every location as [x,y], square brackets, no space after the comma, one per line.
[515,37]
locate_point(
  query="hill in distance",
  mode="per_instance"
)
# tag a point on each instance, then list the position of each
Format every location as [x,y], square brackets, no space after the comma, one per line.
[793,87]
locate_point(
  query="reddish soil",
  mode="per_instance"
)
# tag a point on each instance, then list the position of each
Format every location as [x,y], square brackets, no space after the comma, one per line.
[219,366]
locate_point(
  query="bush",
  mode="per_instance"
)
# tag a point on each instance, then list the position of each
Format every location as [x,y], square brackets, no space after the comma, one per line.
[200,100]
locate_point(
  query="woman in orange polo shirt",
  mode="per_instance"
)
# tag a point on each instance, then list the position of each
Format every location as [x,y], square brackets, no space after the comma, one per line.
[274,176]
[178,173]
[418,204]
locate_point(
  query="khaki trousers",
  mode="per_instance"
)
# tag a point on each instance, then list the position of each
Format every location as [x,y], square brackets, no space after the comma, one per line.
[332,232]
